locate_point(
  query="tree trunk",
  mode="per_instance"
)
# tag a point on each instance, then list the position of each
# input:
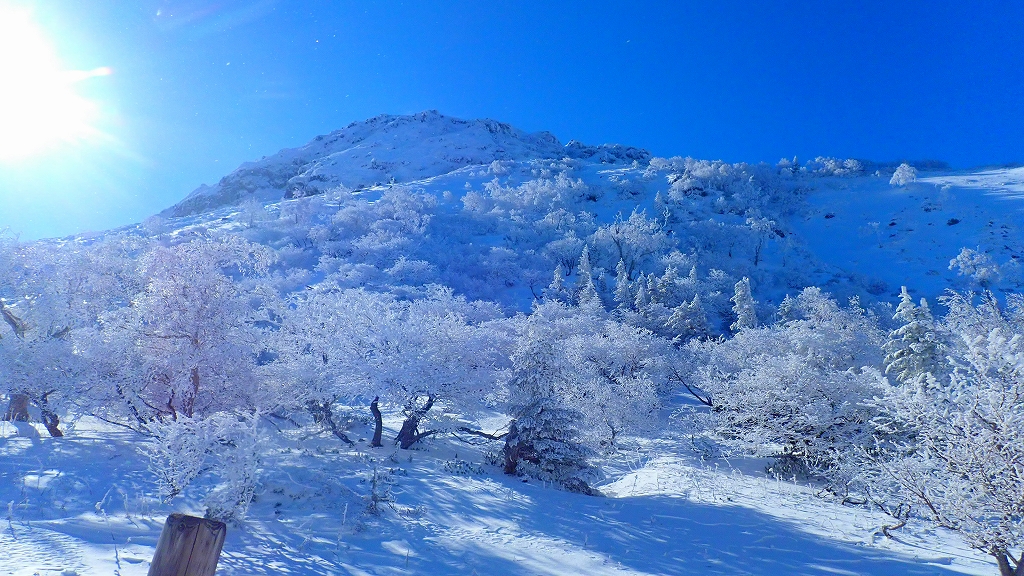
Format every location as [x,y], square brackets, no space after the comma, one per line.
[50,418]
[1003,559]
[17,408]
[188,403]
[17,324]
[378,423]
[510,452]
[52,421]
[1004,564]
[409,433]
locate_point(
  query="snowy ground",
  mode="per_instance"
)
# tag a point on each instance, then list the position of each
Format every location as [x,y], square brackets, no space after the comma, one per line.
[79,505]
[891,237]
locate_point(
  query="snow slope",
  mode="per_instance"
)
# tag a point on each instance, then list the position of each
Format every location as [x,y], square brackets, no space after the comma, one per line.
[853,235]
[906,236]
[385,149]
[80,506]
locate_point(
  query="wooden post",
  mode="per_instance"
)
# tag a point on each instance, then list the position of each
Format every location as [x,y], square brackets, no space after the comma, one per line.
[188,546]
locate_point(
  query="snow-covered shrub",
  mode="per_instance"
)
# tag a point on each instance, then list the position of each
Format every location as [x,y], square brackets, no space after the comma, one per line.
[376,233]
[227,446]
[904,174]
[795,390]
[536,197]
[976,265]
[827,166]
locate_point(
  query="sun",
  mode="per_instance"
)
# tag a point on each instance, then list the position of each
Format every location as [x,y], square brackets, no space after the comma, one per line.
[39,107]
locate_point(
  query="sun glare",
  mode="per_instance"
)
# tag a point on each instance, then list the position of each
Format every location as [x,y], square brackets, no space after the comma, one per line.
[39,107]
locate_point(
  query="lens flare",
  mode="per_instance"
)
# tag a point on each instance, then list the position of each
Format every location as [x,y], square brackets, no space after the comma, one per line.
[39,107]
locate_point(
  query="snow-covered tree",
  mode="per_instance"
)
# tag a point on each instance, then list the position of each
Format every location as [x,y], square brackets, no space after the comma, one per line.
[556,289]
[743,307]
[976,265]
[565,251]
[324,349]
[613,382]
[764,230]
[586,293]
[577,359]
[179,363]
[437,349]
[51,295]
[187,342]
[544,439]
[904,174]
[623,296]
[689,320]
[956,447]
[795,390]
[635,241]
[914,348]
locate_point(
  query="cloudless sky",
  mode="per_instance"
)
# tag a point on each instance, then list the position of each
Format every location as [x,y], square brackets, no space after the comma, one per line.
[199,86]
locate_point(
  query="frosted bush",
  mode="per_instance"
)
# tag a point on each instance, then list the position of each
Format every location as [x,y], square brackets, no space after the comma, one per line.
[904,174]
[795,390]
[976,265]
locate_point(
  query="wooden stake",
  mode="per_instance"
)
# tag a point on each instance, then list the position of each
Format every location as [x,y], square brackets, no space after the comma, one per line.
[188,546]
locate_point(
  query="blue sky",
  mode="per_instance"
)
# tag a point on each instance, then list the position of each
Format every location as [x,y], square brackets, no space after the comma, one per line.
[201,86]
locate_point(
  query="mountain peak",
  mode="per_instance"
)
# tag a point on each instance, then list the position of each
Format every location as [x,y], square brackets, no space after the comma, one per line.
[388,149]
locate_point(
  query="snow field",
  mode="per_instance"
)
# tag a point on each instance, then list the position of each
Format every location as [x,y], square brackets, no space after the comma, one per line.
[664,513]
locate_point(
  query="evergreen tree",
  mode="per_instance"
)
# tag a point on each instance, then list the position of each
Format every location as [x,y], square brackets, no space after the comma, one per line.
[743,307]
[556,290]
[914,348]
[622,295]
[586,270]
[689,320]
[587,293]
[667,284]
[544,439]
[641,301]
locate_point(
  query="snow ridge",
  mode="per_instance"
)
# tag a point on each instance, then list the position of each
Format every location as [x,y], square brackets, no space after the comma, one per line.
[388,149]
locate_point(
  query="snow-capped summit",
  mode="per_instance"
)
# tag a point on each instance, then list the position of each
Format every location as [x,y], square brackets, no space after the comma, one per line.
[387,149]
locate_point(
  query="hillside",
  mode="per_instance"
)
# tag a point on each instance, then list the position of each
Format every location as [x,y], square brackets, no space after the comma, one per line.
[386,150]
[589,360]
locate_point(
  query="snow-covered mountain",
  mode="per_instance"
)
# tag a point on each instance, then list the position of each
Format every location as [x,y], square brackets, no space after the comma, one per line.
[703,343]
[388,150]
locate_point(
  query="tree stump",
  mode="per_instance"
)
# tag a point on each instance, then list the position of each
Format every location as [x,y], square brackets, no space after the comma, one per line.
[188,546]
[17,408]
